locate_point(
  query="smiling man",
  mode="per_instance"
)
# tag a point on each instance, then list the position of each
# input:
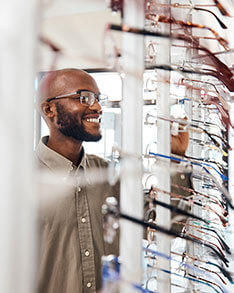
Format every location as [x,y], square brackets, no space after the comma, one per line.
[70,219]
[70,106]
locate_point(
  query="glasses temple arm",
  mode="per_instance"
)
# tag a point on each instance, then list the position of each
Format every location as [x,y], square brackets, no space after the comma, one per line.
[178,210]
[172,233]
[218,19]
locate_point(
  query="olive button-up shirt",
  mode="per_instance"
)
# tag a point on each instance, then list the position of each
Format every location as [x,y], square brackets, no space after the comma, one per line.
[71,223]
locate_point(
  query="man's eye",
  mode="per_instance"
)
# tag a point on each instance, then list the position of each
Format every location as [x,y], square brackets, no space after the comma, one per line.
[84,99]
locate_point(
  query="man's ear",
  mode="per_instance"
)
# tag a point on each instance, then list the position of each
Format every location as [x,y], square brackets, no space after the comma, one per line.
[48,109]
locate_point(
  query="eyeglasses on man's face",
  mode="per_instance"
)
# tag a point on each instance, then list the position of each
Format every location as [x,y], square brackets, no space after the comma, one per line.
[85,97]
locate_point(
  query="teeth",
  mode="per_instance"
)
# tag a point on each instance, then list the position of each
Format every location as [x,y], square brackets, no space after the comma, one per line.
[95,120]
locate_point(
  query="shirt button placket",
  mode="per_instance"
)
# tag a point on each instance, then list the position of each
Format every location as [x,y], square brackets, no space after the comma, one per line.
[85,237]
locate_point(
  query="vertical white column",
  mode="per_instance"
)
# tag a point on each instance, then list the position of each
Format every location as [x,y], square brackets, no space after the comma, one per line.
[164,147]
[17,193]
[131,185]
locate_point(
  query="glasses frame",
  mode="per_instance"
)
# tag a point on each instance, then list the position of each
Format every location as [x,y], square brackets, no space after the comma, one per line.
[189,7]
[211,271]
[96,97]
[210,197]
[115,212]
[186,276]
[204,165]
[191,201]
[154,201]
[222,72]
[154,254]
[162,18]
[207,145]
[208,242]
[195,258]
[224,244]
[221,167]
[198,229]
[192,125]
[117,5]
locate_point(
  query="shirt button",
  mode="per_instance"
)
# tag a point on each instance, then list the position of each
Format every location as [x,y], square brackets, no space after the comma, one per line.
[182,176]
[79,189]
[88,285]
[83,220]
[86,253]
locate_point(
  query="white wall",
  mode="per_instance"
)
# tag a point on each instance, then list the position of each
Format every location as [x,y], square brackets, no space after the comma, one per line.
[79,34]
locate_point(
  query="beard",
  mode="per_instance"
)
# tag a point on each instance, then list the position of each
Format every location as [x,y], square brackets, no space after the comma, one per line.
[69,126]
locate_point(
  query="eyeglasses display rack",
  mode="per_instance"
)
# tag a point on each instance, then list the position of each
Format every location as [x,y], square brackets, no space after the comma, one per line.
[178,253]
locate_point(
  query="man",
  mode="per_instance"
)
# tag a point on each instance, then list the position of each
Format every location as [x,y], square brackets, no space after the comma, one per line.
[71,233]
[71,223]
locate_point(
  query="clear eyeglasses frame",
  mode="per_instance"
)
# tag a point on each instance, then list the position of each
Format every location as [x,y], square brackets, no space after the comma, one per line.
[86,97]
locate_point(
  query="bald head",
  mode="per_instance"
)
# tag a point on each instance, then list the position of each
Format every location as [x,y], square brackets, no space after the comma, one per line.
[62,82]
[70,122]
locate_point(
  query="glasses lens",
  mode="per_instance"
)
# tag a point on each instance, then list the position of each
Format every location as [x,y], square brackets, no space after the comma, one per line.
[87,98]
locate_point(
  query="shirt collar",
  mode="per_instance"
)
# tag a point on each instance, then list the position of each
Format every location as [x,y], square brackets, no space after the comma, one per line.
[55,161]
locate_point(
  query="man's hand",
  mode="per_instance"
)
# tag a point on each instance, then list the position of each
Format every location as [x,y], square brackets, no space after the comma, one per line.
[179,143]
